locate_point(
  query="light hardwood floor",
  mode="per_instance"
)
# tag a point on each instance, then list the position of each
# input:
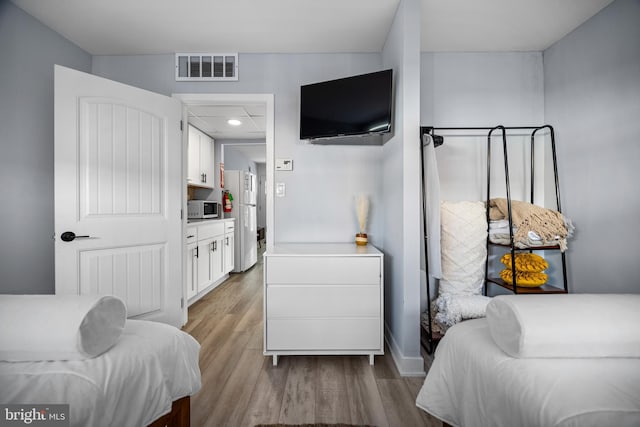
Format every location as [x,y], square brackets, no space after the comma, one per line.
[240,387]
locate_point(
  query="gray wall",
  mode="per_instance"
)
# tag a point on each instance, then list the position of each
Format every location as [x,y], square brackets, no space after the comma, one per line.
[319,192]
[28,50]
[479,89]
[592,96]
[235,159]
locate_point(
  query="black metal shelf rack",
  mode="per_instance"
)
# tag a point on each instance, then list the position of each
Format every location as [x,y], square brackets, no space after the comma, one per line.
[429,337]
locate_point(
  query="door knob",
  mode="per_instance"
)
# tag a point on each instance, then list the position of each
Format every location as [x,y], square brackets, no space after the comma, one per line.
[69,236]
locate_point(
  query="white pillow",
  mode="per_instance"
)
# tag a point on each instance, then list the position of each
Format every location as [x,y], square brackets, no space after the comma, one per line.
[58,327]
[463,240]
[566,326]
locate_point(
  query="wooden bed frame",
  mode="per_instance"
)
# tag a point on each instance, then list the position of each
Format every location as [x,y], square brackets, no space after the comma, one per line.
[180,415]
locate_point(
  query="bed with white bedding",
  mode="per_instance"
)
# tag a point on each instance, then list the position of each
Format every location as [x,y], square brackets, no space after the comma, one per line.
[133,383]
[473,382]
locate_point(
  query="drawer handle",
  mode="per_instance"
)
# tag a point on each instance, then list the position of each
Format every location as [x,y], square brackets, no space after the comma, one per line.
[190,236]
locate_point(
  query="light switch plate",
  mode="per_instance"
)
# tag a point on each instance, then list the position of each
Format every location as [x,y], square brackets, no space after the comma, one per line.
[284,164]
[280,189]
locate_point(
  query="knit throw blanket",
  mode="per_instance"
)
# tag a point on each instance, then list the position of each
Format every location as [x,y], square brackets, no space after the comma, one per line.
[546,223]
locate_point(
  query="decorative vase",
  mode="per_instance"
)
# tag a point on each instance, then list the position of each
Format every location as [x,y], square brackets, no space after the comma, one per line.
[361,239]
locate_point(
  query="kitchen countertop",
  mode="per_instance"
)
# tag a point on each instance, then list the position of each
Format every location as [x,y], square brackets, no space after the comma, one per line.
[205,221]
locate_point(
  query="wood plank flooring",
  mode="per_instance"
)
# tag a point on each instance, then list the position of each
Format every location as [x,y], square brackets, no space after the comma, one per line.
[241,387]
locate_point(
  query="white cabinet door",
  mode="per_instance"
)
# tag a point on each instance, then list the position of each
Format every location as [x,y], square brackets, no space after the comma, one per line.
[204,263]
[206,160]
[118,186]
[193,149]
[192,270]
[215,258]
[229,239]
[201,159]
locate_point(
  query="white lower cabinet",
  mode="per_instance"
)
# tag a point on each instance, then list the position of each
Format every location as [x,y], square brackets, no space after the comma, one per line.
[204,263]
[192,270]
[215,258]
[323,298]
[206,246]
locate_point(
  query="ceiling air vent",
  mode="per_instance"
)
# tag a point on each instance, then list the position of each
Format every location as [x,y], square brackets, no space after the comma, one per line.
[206,66]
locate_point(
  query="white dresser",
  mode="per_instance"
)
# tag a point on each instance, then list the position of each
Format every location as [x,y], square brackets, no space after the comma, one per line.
[323,298]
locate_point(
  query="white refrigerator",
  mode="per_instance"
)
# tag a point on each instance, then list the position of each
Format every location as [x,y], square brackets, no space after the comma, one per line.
[242,186]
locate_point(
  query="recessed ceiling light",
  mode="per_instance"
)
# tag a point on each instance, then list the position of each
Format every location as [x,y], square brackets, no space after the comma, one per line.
[234,122]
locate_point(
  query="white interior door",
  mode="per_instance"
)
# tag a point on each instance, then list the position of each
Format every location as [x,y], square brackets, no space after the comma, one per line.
[118,180]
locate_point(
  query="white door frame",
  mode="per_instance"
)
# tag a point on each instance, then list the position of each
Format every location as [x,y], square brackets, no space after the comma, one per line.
[240,99]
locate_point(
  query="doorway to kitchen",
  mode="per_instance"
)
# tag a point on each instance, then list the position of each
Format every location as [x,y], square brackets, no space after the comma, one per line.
[238,130]
[245,140]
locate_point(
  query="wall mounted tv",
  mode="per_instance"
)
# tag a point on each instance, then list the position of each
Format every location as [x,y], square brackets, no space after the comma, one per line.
[352,106]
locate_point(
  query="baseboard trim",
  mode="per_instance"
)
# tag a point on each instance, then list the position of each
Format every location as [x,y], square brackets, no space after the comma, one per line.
[407,366]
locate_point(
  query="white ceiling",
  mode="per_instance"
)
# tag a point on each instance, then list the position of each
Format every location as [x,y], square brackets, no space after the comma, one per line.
[125,27]
[213,120]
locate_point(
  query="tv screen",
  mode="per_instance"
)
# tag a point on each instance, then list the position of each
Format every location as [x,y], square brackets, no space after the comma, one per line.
[357,105]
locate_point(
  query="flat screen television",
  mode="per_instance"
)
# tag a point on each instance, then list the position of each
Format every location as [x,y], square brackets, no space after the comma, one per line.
[357,105]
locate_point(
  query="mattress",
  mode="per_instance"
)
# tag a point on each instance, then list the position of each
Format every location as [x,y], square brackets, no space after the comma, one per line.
[132,384]
[473,383]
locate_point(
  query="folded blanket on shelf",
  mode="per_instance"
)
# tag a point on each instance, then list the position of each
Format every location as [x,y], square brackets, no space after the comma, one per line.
[500,226]
[533,225]
[453,309]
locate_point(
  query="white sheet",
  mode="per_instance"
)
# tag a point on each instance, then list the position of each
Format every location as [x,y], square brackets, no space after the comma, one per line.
[132,384]
[473,383]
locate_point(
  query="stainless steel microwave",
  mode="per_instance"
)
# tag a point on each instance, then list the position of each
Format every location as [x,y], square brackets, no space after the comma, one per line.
[203,209]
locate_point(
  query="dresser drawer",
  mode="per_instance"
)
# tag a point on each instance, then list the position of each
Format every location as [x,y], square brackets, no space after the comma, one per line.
[192,234]
[323,301]
[206,231]
[301,270]
[323,334]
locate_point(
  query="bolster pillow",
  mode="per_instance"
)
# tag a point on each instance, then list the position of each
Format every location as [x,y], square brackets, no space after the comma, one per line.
[58,327]
[566,326]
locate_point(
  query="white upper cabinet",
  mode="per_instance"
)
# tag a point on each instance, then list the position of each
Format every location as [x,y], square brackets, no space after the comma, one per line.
[201,170]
